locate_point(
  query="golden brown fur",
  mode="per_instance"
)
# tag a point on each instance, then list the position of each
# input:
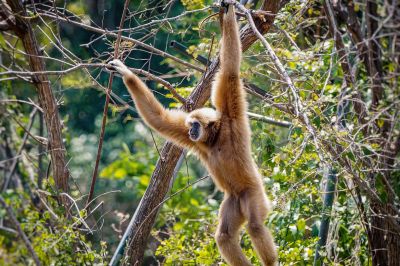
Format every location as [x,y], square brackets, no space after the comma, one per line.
[223,147]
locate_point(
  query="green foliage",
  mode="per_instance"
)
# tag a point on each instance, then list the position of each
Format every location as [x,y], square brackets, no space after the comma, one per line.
[193,4]
[54,238]
[77,80]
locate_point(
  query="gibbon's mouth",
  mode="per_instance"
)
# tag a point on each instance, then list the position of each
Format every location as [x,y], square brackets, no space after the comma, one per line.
[193,137]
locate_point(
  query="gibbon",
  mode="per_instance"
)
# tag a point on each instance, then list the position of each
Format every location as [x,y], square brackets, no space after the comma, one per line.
[221,139]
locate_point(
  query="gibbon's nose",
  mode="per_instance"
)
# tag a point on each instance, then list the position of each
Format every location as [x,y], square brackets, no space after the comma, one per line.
[193,132]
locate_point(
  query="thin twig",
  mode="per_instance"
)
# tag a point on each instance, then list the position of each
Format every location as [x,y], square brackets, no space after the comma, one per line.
[80,218]
[104,121]
[21,101]
[51,72]
[139,43]
[8,230]
[24,140]
[147,74]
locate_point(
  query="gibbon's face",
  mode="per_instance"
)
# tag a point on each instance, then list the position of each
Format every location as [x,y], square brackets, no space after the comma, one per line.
[202,124]
[195,130]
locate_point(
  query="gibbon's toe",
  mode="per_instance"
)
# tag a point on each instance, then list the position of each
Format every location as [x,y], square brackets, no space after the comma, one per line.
[225,3]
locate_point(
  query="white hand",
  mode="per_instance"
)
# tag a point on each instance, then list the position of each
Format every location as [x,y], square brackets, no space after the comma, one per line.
[119,67]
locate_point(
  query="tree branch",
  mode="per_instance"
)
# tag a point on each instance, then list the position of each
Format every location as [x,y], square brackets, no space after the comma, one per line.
[268,120]
[299,110]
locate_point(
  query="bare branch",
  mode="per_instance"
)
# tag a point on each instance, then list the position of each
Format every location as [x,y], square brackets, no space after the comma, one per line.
[142,72]
[268,120]
[111,34]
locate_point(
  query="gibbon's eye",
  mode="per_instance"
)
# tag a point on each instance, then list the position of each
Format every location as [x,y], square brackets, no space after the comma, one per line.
[196,124]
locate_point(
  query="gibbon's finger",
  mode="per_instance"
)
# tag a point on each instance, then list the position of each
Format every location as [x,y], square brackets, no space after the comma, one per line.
[120,67]
[110,68]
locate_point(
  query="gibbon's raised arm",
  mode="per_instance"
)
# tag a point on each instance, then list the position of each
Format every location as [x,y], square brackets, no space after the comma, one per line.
[170,123]
[228,93]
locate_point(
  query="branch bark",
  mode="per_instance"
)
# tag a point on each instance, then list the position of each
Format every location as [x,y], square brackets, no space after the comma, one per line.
[23,29]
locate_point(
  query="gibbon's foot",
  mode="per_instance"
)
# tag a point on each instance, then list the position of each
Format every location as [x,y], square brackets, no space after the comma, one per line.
[226,3]
[120,67]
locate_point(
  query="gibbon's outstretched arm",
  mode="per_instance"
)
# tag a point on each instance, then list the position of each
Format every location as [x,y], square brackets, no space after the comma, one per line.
[228,93]
[169,123]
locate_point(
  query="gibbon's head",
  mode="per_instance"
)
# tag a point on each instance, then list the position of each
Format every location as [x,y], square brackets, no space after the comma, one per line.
[203,125]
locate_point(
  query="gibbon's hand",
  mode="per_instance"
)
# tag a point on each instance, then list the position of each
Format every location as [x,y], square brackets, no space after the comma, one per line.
[117,65]
[226,3]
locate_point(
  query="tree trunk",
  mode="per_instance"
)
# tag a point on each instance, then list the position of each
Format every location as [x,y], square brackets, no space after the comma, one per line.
[385,242]
[56,148]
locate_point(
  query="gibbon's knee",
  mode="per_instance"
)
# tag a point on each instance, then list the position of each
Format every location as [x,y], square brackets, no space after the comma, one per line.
[222,238]
[255,229]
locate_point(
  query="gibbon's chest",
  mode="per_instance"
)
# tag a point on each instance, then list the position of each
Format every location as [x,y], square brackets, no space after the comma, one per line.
[229,159]
[230,168]
[233,139]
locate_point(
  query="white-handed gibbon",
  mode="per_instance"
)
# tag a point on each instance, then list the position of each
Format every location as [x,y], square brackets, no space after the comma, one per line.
[221,139]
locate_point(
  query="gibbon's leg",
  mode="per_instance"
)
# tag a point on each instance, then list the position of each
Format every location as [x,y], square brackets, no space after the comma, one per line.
[227,235]
[254,205]
[228,96]
[169,123]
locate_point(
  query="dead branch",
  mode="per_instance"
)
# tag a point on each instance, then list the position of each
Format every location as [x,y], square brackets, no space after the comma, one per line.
[78,66]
